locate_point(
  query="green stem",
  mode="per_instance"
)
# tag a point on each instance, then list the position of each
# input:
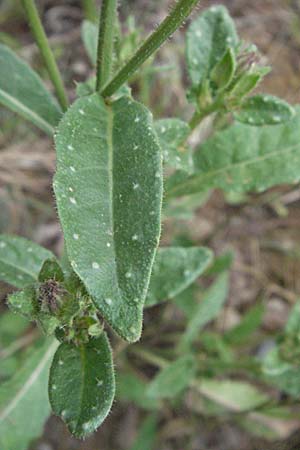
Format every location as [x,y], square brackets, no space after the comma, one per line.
[90,10]
[173,21]
[106,42]
[46,52]
[148,356]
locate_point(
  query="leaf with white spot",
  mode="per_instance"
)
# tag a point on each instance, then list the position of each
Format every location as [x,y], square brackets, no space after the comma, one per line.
[21,260]
[174,269]
[82,384]
[207,40]
[22,91]
[26,392]
[243,159]
[264,110]
[108,188]
[172,134]
[174,378]
[89,36]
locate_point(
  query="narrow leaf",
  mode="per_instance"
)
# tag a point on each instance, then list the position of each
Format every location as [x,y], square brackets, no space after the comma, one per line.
[175,268]
[26,392]
[207,40]
[20,260]
[247,327]
[264,110]
[108,189]
[131,388]
[208,309]
[174,378]
[82,385]
[172,133]
[244,159]
[147,434]
[89,36]
[22,91]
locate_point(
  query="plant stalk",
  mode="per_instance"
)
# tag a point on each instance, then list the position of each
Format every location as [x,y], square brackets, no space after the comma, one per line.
[173,21]
[106,42]
[46,52]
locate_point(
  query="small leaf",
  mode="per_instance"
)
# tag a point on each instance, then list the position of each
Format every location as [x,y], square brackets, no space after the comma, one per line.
[207,310]
[82,385]
[89,36]
[264,110]
[172,133]
[245,84]
[237,396]
[224,70]
[147,434]
[243,159]
[22,91]
[26,391]
[174,378]
[108,189]
[20,260]
[175,268]
[247,327]
[51,270]
[208,38]
[22,302]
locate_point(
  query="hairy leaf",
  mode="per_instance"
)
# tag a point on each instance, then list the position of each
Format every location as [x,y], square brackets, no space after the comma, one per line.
[89,36]
[82,384]
[174,378]
[24,405]
[108,188]
[20,260]
[175,268]
[264,110]
[207,40]
[22,91]
[207,310]
[244,159]
[22,302]
[172,134]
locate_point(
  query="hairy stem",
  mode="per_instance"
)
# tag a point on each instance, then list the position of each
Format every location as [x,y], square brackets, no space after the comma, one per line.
[46,52]
[173,21]
[106,42]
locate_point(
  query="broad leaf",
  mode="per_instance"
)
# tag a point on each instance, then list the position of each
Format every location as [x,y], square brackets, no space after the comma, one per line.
[174,378]
[264,110]
[237,396]
[22,91]
[89,35]
[108,189]
[20,260]
[175,268]
[82,384]
[207,310]
[244,159]
[208,38]
[24,405]
[172,134]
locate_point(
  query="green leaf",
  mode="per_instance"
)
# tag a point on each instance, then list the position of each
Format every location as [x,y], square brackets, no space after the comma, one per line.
[131,388]
[51,270]
[20,260]
[22,302]
[293,323]
[108,189]
[82,384]
[22,91]
[208,38]
[89,36]
[264,110]
[224,70]
[185,207]
[175,268]
[11,327]
[24,405]
[147,434]
[247,327]
[245,84]
[244,158]
[174,378]
[207,310]
[172,133]
[237,396]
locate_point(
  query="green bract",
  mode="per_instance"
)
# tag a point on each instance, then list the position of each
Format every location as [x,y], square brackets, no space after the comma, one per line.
[108,188]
